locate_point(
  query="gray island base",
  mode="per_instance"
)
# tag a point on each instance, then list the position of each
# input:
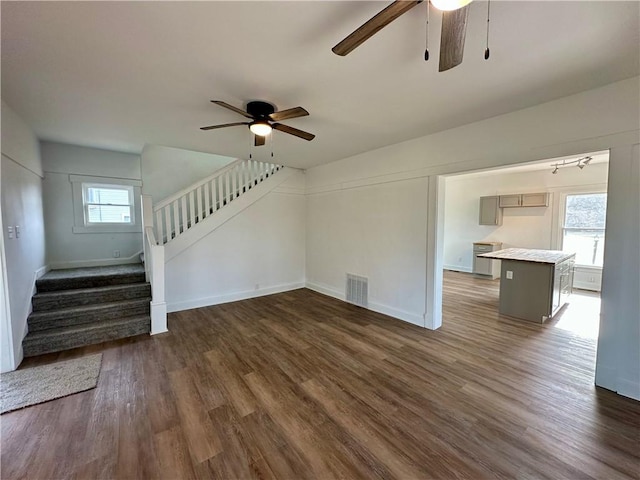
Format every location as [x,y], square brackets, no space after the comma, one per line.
[534,284]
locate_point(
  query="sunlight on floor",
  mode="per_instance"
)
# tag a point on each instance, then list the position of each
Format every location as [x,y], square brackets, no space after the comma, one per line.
[582,314]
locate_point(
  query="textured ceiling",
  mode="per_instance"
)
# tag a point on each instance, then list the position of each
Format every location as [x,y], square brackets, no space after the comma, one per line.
[119,75]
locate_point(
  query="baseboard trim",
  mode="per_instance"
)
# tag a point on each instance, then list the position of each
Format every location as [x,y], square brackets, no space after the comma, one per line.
[456,268]
[101,262]
[586,286]
[373,306]
[606,377]
[231,297]
[629,388]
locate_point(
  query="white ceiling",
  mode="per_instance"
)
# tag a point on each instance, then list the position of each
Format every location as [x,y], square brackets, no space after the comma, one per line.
[119,75]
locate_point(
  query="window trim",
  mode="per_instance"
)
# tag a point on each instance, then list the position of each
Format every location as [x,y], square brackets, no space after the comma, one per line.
[107,186]
[80,226]
[587,190]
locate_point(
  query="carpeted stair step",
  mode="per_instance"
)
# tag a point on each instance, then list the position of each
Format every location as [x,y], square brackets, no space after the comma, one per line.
[90,277]
[89,296]
[64,338]
[87,314]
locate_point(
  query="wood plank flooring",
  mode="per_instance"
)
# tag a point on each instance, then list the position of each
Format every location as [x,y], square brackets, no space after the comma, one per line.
[299,385]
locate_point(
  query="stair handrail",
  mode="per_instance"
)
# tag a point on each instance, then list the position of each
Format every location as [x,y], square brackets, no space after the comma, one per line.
[221,171]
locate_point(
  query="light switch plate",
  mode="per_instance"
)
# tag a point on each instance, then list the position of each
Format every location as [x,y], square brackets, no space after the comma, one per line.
[509,275]
[10,232]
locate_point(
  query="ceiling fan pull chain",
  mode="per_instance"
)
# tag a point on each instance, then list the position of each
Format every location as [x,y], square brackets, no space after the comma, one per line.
[426,51]
[271,143]
[486,51]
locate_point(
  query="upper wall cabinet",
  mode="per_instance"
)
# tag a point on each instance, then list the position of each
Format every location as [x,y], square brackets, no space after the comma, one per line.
[510,200]
[490,213]
[535,200]
[524,200]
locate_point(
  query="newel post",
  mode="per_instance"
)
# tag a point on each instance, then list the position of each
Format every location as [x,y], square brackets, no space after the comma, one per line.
[154,268]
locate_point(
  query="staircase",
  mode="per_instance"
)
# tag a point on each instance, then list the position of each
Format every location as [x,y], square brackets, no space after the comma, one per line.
[181,212]
[83,306]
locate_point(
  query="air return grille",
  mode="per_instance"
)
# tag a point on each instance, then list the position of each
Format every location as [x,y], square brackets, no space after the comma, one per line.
[357,290]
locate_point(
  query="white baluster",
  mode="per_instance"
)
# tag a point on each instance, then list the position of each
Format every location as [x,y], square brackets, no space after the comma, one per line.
[159,232]
[199,207]
[243,178]
[228,187]
[176,218]
[254,172]
[167,222]
[183,204]
[192,210]
[214,194]
[207,204]
[234,181]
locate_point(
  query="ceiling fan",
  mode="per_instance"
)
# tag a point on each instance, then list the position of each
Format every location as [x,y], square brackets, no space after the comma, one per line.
[264,118]
[454,27]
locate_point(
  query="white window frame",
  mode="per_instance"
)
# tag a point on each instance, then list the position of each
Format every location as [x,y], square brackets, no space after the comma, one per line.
[560,210]
[79,185]
[106,186]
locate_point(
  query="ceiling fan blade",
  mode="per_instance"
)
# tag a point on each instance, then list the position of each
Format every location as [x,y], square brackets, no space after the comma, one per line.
[231,107]
[454,29]
[373,26]
[289,113]
[259,141]
[213,127]
[293,131]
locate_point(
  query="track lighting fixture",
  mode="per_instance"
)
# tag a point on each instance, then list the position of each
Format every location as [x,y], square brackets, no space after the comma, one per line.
[580,163]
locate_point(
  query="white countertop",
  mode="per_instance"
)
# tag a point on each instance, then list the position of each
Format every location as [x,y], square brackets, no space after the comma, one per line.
[530,255]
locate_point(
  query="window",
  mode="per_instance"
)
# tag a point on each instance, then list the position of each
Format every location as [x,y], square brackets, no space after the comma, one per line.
[107,204]
[583,227]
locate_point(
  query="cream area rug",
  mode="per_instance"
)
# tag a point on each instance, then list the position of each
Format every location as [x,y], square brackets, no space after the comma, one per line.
[30,386]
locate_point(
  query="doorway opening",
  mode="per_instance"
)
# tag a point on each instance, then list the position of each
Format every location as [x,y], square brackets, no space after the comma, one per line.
[554,204]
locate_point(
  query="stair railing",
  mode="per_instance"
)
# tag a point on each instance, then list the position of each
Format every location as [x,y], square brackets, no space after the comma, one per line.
[183,210]
[153,254]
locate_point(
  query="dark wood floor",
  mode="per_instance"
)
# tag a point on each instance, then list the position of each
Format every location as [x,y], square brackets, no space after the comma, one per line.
[299,385]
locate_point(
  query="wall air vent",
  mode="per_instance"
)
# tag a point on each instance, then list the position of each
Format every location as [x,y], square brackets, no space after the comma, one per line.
[357,291]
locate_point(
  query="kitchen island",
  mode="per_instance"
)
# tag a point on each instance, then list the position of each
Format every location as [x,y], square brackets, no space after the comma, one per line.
[534,284]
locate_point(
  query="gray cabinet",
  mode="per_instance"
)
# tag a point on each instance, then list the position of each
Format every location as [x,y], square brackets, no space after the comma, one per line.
[535,200]
[534,291]
[486,266]
[524,200]
[490,213]
[507,201]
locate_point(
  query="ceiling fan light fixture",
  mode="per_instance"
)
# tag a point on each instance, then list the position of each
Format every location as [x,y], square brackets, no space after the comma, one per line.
[260,128]
[448,5]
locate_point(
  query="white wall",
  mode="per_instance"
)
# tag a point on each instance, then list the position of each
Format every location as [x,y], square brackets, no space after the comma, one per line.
[373,231]
[23,258]
[66,249]
[258,252]
[590,121]
[618,363]
[531,227]
[167,170]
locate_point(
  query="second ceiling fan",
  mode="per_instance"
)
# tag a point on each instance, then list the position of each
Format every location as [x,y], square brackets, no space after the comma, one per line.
[264,118]
[454,28]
